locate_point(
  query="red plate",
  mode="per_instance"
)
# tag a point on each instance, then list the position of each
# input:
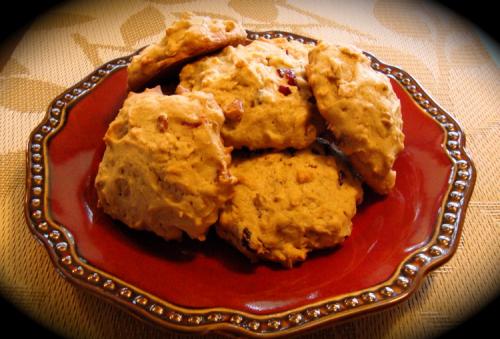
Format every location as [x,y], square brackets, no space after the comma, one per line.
[195,286]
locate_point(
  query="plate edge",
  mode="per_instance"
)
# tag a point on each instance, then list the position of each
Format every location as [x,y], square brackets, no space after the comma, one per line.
[408,276]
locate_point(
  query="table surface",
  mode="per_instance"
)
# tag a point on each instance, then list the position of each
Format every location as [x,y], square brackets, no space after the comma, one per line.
[447,55]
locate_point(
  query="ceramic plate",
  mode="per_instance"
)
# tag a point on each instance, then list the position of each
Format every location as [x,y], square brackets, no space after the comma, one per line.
[209,286]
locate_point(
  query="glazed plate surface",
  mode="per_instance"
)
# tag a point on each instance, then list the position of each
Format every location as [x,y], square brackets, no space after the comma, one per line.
[193,286]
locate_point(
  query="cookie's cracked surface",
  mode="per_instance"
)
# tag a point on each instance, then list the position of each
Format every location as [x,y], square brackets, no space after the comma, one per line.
[287,204]
[361,109]
[188,37]
[262,90]
[165,167]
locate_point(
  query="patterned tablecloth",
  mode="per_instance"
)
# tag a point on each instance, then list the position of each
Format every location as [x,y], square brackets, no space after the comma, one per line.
[445,54]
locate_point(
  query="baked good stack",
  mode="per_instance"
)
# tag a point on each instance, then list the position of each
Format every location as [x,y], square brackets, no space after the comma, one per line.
[235,147]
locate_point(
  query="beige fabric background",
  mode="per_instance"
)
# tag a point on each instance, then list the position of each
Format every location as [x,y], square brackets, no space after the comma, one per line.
[442,52]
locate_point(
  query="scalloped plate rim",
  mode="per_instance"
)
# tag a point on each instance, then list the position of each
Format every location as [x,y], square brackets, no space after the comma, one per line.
[146,314]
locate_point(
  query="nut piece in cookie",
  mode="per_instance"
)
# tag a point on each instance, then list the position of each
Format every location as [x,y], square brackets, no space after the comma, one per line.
[263,92]
[187,38]
[361,109]
[165,168]
[286,205]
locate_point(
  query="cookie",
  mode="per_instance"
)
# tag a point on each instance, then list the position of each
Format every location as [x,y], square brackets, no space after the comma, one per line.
[262,90]
[286,205]
[187,38]
[361,109]
[165,168]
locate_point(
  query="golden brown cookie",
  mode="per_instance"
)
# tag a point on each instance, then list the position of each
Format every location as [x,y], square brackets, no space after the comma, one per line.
[262,90]
[165,167]
[286,205]
[361,109]
[189,37]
